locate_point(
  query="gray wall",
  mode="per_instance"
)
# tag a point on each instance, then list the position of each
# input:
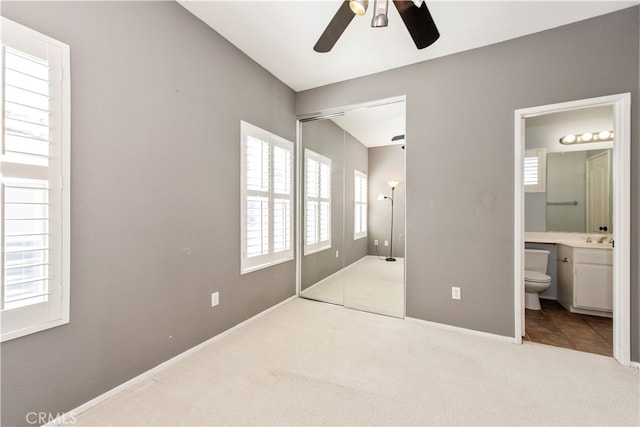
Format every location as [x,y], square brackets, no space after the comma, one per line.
[535,211]
[460,150]
[567,181]
[346,154]
[386,164]
[157,99]
[356,157]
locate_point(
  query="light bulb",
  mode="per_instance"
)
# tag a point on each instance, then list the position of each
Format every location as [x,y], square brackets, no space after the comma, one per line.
[359,7]
[604,134]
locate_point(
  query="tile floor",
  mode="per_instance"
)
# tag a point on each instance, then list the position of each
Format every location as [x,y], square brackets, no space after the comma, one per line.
[556,326]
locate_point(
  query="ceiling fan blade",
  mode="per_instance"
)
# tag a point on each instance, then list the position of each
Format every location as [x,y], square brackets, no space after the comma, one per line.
[419,22]
[336,27]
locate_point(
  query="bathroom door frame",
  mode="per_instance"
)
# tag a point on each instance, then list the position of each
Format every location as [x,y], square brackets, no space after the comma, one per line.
[621,214]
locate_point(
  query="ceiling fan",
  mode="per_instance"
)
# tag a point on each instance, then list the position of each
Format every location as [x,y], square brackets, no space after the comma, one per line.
[414,14]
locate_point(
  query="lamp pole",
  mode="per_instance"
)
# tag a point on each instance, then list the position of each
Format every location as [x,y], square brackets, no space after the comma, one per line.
[391,258]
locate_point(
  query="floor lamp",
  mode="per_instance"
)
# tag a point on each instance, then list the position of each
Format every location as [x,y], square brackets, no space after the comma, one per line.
[393,185]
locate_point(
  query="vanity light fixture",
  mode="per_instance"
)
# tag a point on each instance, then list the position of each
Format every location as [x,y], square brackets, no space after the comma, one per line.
[602,136]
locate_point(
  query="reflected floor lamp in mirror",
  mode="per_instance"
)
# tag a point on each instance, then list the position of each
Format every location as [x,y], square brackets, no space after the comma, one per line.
[393,185]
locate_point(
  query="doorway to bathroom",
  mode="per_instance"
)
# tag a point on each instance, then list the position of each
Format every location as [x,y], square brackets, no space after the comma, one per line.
[581,218]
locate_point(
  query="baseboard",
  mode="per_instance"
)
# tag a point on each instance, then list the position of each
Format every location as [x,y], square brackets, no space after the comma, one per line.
[463,330]
[69,417]
[634,364]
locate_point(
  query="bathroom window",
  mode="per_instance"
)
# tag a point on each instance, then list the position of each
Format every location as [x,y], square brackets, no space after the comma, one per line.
[317,202]
[267,199]
[535,170]
[359,205]
[34,166]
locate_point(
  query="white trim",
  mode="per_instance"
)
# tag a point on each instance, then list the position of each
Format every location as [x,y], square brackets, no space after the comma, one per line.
[635,365]
[55,312]
[299,206]
[463,330]
[67,417]
[272,141]
[319,245]
[362,176]
[621,215]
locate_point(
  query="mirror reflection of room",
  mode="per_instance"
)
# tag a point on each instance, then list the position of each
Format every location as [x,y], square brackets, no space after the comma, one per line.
[569,226]
[353,243]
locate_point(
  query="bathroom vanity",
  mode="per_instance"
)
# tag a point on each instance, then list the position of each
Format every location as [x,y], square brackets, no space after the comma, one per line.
[585,280]
[584,271]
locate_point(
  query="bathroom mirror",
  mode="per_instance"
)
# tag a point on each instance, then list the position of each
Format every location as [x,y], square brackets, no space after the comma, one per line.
[346,161]
[578,193]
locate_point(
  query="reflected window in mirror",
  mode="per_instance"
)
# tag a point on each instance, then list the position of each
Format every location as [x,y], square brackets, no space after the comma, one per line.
[534,170]
[360,204]
[317,202]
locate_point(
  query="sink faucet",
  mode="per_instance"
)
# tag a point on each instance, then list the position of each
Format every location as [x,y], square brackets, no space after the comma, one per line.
[602,239]
[588,239]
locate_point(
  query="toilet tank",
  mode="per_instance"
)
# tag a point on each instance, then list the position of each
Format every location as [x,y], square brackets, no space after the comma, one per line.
[536,260]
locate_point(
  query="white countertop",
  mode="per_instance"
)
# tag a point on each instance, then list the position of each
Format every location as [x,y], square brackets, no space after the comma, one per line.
[575,240]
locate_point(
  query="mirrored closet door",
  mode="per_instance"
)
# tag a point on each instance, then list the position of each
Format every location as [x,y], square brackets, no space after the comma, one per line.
[352,209]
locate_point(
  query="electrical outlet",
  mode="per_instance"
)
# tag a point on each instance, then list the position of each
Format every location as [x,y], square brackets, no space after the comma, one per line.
[386,243]
[375,242]
[215,299]
[455,292]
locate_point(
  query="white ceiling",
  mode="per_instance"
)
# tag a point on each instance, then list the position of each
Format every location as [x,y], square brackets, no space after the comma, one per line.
[280,35]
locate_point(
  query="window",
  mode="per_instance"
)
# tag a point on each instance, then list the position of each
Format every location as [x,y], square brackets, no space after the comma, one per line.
[360,205]
[534,170]
[267,199]
[317,202]
[34,161]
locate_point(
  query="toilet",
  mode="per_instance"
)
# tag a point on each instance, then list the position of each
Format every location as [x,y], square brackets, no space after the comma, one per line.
[536,279]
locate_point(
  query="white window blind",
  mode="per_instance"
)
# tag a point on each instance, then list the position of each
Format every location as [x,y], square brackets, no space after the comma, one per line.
[34,163]
[360,204]
[317,202]
[535,170]
[267,199]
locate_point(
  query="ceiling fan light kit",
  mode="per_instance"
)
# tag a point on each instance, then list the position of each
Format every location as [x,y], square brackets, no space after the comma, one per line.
[359,7]
[415,16]
[380,18]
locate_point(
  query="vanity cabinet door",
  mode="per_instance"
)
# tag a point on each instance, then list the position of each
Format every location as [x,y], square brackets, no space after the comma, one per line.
[593,280]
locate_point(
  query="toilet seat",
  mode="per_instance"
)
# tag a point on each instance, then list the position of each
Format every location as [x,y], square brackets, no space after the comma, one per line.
[536,277]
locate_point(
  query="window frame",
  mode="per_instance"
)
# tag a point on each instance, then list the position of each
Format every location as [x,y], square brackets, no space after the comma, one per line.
[360,176]
[541,155]
[271,257]
[319,245]
[25,320]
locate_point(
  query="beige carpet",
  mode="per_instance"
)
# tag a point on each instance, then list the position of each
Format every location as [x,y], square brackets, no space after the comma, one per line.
[310,363]
[370,284]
